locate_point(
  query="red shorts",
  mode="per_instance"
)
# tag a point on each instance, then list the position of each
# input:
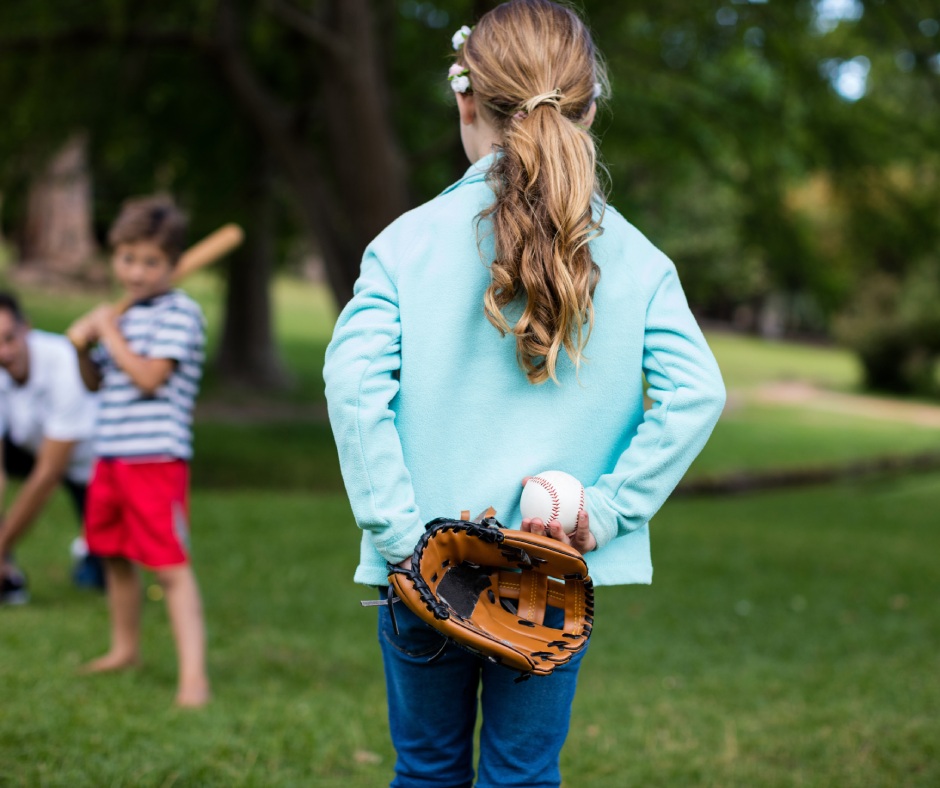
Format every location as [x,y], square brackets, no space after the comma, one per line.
[139,511]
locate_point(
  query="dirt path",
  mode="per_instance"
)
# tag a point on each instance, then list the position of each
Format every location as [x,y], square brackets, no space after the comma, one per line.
[794,393]
[885,409]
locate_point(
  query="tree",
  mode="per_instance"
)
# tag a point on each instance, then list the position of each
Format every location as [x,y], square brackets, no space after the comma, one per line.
[731,135]
[219,81]
[57,237]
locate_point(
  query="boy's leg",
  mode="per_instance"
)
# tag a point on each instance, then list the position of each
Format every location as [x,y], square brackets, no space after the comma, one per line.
[124,605]
[184,607]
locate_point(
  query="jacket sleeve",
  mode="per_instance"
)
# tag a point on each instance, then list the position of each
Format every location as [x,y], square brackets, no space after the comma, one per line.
[688,395]
[361,375]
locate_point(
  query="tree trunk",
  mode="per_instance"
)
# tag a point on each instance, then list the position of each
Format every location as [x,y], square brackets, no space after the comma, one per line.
[342,205]
[347,196]
[247,353]
[57,239]
[370,169]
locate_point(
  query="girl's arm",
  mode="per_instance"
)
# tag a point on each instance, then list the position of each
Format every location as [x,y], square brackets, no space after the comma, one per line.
[688,396]
[362,364]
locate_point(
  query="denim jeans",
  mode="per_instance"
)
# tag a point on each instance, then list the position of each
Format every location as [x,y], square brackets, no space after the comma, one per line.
[432,710]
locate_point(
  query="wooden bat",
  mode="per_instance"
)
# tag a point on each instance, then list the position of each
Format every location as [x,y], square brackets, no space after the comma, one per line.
[199,255]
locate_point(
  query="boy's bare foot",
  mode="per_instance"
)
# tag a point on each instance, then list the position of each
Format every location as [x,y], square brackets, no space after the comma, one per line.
[110,662]
[193,697]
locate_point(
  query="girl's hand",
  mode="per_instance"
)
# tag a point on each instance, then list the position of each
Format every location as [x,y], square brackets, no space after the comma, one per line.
[581,538]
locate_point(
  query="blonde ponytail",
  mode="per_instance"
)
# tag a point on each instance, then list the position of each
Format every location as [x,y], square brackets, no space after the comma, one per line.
[534,68]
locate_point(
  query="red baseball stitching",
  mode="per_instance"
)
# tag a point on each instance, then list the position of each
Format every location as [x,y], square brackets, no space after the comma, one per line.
[550,488]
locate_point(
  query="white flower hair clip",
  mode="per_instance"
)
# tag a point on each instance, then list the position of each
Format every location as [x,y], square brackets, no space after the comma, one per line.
[460,37]
[459,77]
[598,89]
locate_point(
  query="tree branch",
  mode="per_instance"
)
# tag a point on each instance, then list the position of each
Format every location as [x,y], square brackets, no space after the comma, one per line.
[90,38]
[272,120]
[308,26]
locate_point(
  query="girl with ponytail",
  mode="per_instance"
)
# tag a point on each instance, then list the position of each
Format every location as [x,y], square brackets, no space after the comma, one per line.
[502,329]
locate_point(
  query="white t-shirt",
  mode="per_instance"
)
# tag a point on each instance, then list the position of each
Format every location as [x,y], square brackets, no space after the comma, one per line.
[52,403]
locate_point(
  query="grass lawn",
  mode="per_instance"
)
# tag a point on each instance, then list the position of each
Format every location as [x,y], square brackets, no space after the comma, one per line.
[788,639]
[761,436]
[749,361]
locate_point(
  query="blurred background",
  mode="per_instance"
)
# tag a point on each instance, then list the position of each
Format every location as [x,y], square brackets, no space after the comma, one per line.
[786,155]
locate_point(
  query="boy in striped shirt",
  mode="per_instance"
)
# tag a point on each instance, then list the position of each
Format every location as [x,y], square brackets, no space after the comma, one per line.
[147,364]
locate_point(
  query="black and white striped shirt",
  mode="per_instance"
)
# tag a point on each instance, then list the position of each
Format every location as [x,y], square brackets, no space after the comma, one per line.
[131,423]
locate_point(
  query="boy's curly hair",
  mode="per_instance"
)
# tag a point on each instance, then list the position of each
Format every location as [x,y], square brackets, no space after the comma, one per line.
[155,219]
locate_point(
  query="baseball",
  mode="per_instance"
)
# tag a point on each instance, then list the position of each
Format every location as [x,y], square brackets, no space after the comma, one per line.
[553,495]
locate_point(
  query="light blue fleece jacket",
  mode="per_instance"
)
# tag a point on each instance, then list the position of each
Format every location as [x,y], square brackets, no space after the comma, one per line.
[433,415]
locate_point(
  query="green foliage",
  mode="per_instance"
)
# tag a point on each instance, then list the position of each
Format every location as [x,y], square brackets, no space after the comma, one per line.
[720,115]
[726,139]
[894,326]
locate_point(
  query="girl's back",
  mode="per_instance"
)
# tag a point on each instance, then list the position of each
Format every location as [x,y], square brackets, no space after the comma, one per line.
[469,423]
[500,330]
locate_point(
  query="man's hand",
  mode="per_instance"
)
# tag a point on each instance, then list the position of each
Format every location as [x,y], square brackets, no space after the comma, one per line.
[52,461]
[4,547]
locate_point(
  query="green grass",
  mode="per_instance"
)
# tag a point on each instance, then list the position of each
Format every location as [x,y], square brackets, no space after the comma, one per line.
[277,456]
[760,437]
[788,639]
[749,361]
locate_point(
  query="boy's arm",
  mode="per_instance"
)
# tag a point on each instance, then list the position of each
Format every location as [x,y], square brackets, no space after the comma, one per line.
[52,460]
[83,333]
[148,374]
[91,375]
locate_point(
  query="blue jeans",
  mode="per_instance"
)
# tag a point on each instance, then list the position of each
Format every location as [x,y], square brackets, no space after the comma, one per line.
[432,710]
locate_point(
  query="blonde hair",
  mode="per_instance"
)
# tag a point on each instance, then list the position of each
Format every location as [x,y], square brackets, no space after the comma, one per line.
[533,71]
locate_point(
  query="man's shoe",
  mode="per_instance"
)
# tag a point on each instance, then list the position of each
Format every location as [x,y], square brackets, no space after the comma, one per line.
[89,573]
[13,588]
[87,569]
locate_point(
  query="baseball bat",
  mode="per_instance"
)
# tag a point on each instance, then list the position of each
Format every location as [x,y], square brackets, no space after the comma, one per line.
[205,252]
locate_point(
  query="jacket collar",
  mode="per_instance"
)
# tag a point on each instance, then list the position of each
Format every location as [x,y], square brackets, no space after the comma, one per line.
[475,172]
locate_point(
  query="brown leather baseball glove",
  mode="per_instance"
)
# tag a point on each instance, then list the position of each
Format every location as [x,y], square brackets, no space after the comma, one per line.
[487,589]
